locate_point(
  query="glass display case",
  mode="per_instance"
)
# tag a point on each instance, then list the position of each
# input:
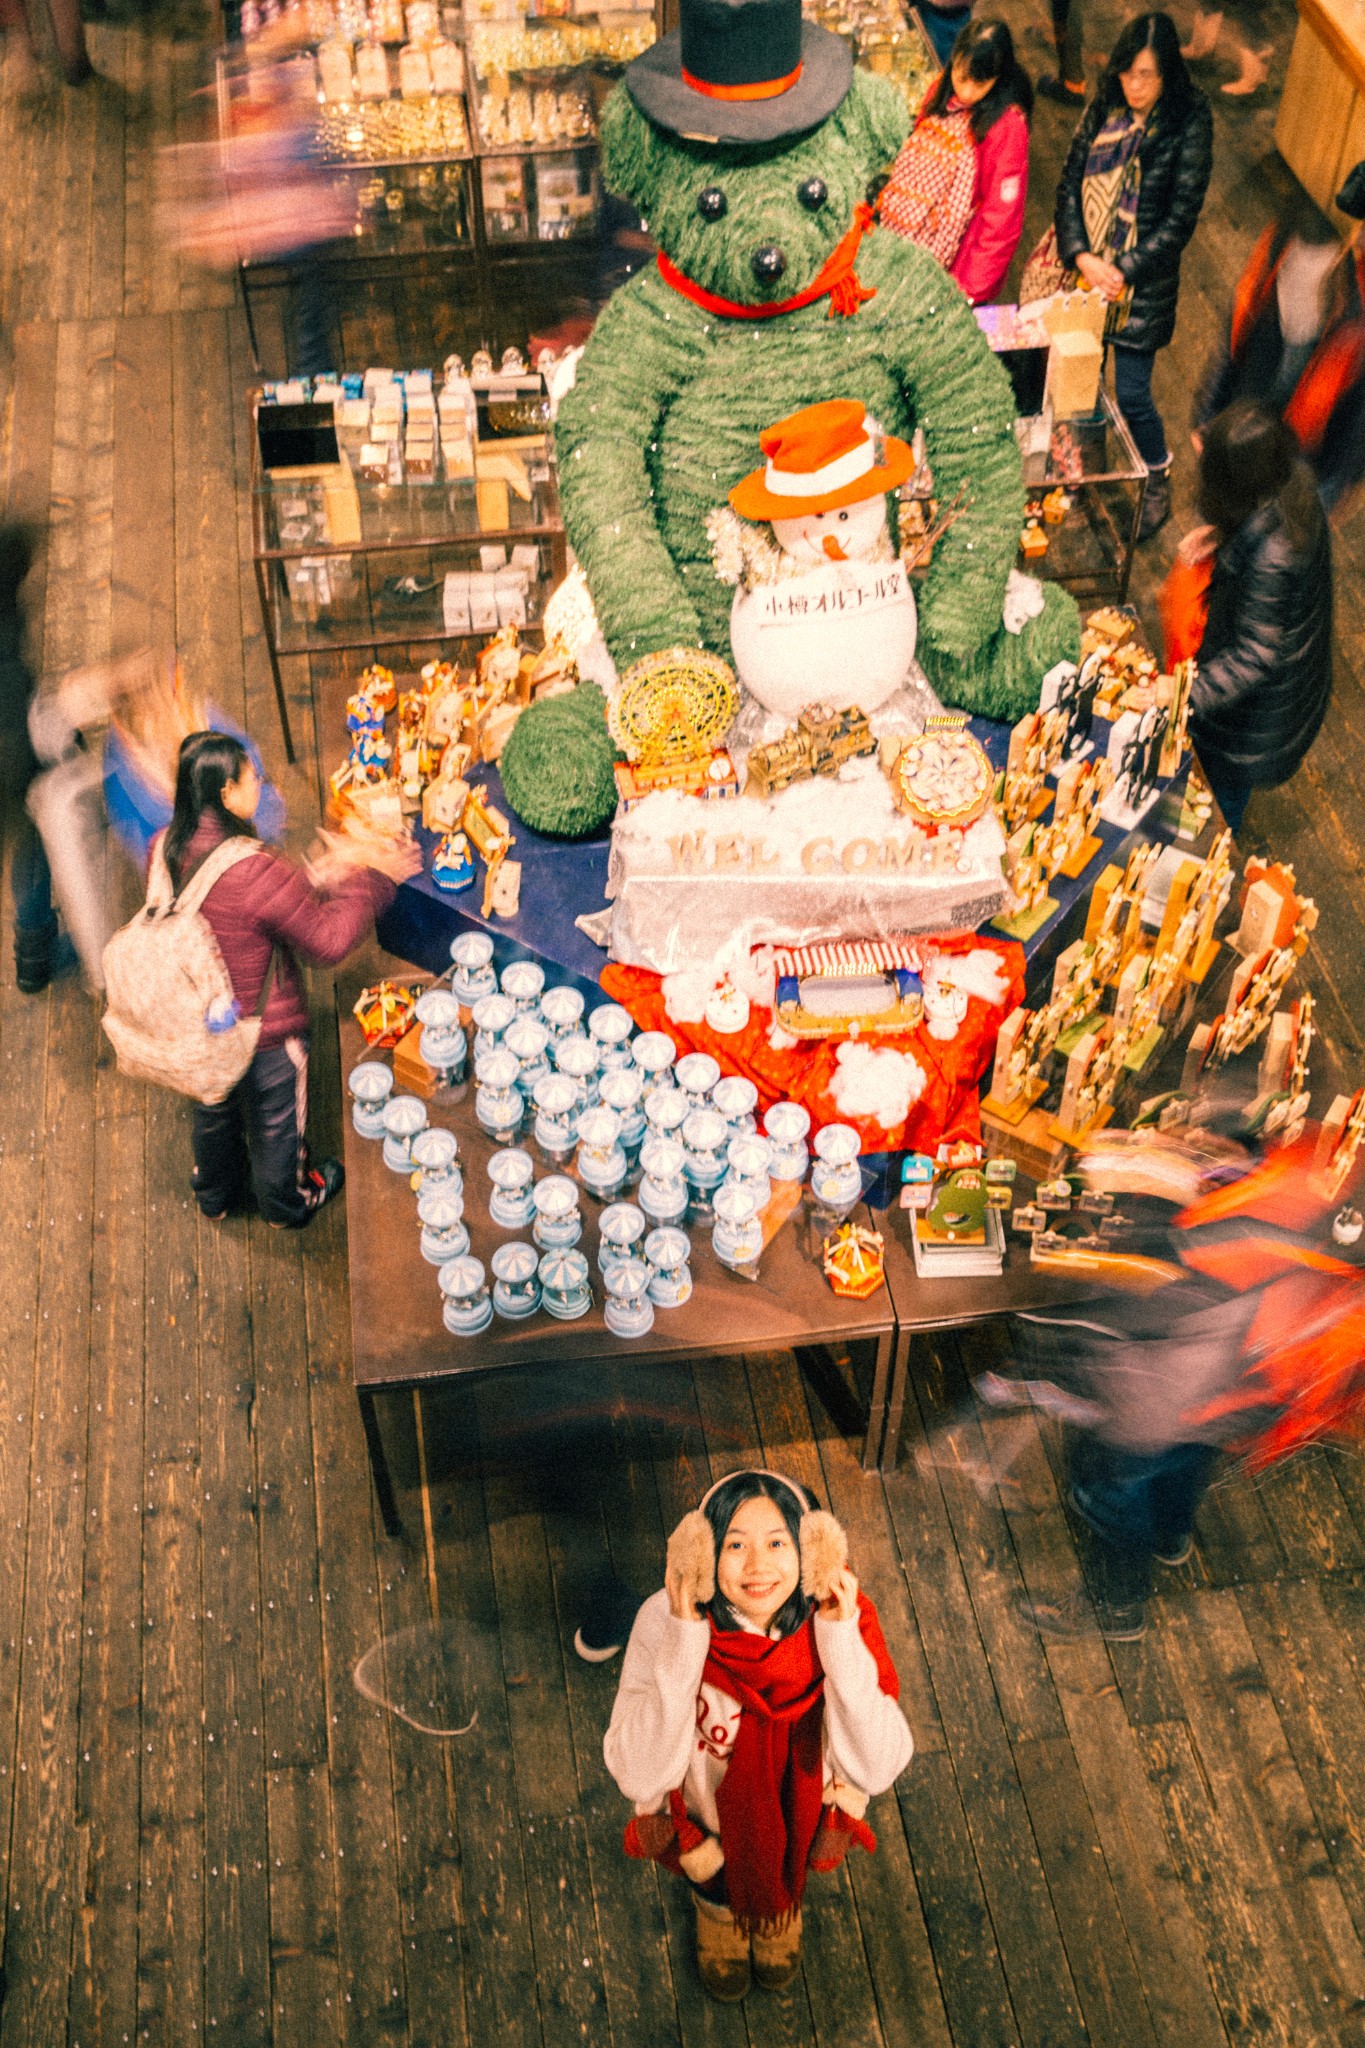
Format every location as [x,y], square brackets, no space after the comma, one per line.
[1086,486]
[405,541]
[887,38]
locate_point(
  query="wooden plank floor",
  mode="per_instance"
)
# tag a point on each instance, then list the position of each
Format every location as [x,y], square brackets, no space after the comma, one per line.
[210,1827]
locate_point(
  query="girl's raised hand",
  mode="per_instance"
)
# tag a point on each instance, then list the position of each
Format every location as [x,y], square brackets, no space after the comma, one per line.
[842,1601]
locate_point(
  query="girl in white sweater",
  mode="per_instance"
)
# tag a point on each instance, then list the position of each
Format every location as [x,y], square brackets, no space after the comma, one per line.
[756,1715]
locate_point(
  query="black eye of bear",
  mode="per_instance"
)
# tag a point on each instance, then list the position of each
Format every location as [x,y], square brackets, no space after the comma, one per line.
[812,194]
[711,202]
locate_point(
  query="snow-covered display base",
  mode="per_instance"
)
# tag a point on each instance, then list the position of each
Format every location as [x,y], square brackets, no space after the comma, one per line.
[694,883]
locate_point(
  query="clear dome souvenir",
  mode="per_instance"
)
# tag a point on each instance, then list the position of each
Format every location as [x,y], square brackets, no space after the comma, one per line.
[435,1160]
[558,1223]
[474,978]
[516,1289]
[561,1010]
[748,1159]
[404,1117]
[524,982]
[466,1308]
[654,1053]
[835,1180]
[619,1229]
[492,1015]
[601,1158]
[666,1110]
[622,1090]
[443,1044]
[787,1124]
[498,1102]
[696,1073]
[736,1097]
[667,1252]
[511,1204]
[628,1311]
[705,1135]
[737,1236]
[565,1292]
[610,1026]
[527,1038]
[556,1129]
[576,1056]
[441,1215]
[662,1193]
[371,1085]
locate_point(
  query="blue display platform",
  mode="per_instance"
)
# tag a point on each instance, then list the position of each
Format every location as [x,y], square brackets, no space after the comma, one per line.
[562,879]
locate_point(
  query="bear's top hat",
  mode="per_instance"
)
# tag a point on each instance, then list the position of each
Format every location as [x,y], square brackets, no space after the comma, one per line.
[741,71]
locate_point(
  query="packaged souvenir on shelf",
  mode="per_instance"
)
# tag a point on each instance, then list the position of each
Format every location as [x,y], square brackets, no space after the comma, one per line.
[853,1261]
[386,1011]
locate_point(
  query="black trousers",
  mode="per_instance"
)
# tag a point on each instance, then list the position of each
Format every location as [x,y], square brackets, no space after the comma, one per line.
[257,1136]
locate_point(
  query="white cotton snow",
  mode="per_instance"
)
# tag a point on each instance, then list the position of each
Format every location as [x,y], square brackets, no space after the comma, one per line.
[978,973]
[874,1085]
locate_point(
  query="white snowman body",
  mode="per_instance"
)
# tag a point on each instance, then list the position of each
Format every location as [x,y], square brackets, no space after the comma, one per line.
[840,629]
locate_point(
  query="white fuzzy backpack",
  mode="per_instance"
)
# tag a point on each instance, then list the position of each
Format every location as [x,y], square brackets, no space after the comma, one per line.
[171,1012]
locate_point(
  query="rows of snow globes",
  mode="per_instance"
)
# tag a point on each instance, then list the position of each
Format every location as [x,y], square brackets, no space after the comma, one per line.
[625,1105]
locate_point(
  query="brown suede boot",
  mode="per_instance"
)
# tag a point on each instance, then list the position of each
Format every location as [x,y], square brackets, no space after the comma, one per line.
[777,1957]
[722,1953]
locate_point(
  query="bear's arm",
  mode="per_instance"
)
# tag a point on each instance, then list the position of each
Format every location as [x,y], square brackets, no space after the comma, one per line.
[961,397]
[632,368]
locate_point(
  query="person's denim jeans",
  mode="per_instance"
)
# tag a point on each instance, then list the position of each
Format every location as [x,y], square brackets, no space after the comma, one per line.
[1133,395]
[1137,1504]
[31,879]
[1231,787]
[257,1132]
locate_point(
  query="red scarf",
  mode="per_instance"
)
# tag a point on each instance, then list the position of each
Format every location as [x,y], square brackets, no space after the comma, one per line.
[836,276]
[774,1826]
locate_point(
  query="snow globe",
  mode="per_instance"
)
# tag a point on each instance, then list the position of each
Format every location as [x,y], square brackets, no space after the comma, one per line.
[564,1289]
[516,1290]
[441,1214]
[704,1134]
[526,1037]
[748,1159]
[556,1128]
[736,1098]
[442,1044]
[601,1160]
[611,1026]
[786,1124]
[498,1102]
[404,1117]
[511,1205]
[577,1057]
[561,1010]
[670,1279]
[434,1160]
[662,1193]
[524,982]
[737,1237]
[464,1292]
[371,1085]
[654,1053]
[696,1073]
[558,1223]
[492,1015]
[619,1229]
[472,953]
[628,1312]
[835,1180]
[666,1111]
[620,1090]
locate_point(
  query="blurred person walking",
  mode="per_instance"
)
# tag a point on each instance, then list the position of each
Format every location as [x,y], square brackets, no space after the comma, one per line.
[960,183]
[1251,594]
[36,946]
[265,914]
[1295,341]
[1129,198]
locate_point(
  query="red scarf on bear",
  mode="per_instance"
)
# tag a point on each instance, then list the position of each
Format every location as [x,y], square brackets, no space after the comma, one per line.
[770,1801]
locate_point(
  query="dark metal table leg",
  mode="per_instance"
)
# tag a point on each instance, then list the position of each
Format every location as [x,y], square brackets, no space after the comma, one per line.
[379,1464]
[876,1407]
[900,1374]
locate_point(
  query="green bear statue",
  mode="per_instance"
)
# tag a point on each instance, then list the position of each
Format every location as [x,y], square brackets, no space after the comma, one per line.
[747,141]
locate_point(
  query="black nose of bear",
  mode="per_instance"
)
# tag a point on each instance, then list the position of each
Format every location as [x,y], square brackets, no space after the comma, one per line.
[768,263]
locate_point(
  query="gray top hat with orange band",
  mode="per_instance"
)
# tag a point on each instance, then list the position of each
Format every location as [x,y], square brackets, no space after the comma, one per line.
[741,71]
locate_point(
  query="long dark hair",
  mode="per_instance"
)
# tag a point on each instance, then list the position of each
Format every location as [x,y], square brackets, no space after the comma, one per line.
[1159,34]
[208,762]
[1250,457]
[721,1509]
[987,49]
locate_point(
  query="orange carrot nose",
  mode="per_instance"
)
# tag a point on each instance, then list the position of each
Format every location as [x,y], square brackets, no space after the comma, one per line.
[833,549]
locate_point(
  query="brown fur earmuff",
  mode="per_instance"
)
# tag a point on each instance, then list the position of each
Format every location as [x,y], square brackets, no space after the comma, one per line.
[824,1553]
[692,1557]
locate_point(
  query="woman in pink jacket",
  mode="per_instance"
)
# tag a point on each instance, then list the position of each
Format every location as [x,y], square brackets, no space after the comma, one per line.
[959,185]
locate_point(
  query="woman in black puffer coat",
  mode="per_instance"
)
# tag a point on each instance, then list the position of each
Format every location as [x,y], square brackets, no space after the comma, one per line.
[1265,663]
[1129,197]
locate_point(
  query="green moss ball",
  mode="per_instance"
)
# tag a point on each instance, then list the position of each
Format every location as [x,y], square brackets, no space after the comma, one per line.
[558,762]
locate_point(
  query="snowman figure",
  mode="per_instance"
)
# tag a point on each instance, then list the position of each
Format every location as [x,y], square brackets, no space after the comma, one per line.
[823,611]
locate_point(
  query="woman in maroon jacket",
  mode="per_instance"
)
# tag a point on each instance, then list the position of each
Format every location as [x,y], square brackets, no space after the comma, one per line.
[263,910]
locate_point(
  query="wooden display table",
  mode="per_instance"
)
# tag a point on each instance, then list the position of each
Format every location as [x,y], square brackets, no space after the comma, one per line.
[400,1340]
[1320,125]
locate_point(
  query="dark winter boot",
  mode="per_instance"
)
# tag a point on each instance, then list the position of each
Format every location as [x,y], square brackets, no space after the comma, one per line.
[1156,506]
[33,947]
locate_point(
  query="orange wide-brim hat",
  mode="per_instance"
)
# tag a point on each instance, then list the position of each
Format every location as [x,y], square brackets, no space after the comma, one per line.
[820,458]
